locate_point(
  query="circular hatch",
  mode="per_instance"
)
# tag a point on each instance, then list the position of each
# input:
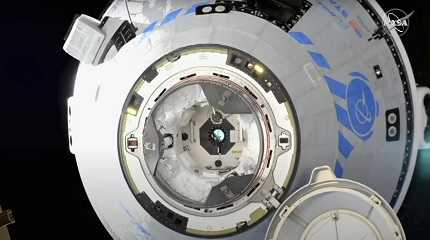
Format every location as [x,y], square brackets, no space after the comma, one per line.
[331,208]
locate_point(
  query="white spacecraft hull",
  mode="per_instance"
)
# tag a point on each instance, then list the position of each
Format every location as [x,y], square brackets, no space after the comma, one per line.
[356,103]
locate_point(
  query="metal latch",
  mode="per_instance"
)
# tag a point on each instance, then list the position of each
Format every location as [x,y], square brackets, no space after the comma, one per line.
[271,199]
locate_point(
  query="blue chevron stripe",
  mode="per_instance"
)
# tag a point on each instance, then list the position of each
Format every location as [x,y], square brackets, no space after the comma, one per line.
[345,147]
[320,60]
[301,38]
[338,170]
[171,16]
[150,28]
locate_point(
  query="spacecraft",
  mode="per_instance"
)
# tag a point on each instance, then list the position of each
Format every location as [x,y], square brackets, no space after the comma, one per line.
[252,119]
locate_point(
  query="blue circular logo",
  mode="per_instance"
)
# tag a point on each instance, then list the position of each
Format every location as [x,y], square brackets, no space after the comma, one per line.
[362,107]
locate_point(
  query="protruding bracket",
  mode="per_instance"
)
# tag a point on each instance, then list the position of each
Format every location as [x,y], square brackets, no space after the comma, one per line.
[322,174]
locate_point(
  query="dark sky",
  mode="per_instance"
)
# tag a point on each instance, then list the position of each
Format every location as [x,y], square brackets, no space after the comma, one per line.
[39,179]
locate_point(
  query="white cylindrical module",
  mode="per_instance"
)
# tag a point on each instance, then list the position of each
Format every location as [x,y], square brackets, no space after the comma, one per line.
[197,119]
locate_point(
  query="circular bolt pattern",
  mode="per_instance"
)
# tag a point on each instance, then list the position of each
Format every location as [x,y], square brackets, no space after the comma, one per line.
[392,118]
[220,9]
[392,131]
[207,9]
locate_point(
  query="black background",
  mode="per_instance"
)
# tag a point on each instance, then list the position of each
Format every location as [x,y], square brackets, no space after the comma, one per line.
[39,179]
